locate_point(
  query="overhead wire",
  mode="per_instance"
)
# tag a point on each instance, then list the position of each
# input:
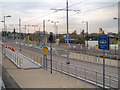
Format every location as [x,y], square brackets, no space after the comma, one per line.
[55,11]
[91,10]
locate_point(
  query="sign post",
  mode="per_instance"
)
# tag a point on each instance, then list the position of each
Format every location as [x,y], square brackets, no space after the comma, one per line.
[51,40]
[103,43]
[45,58]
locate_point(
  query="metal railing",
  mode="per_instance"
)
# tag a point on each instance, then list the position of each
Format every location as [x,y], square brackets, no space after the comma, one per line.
[111,60]
[14,58]
[87,75]
[35,59]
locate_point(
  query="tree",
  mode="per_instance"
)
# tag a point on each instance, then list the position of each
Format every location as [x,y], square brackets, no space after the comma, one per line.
[101,32]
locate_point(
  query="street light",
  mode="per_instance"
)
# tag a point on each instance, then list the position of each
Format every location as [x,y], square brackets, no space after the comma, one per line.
[44,29]
[34,28]
[6,32]
[87,31]
[56,28]
[115,18]
[44,25]
[5,25]
[2,31]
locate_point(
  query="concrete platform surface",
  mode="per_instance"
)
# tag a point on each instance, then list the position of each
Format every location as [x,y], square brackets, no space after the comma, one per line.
[39,78]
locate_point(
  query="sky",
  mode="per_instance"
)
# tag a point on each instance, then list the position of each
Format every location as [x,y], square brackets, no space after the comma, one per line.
[98,14]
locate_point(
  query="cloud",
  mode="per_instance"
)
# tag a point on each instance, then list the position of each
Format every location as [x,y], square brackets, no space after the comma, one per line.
[34,12]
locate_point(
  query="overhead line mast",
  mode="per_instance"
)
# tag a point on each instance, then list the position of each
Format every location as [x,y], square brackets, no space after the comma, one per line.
[67,22]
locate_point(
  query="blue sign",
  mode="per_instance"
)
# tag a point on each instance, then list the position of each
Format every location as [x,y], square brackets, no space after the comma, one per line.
[103,42]
[71,39]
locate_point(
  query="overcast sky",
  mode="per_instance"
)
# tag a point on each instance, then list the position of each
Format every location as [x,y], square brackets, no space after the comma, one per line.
[98,13]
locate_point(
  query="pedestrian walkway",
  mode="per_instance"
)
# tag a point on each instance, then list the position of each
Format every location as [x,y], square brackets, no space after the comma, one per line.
[39,78]
[26,62]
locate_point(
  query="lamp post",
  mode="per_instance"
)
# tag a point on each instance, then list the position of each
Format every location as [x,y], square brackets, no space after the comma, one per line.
[6,32]
[56,29]
[2,35]
[2,31]
[44,21]
[86,31]
[5,29]
[115,18]
[34,29]
[20,33]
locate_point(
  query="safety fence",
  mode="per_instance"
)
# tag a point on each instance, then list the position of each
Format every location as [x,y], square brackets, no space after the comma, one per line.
[96,57]
[14,57]
[87,75]
[35,59]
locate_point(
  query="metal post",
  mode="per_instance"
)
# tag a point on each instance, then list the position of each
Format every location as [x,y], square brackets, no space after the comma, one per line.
[110,82]
[76,73]
[46,61]
[51,55]
[103,68]
[55,30]
[85,77]
[43,62]
[68,70]
[39,36]
[115,49]
[44,27]
[4,28]
[25,30]
[20,33]
[56,66]
[61,68]
[4,38]
[67,33]
[87,33]
[96,79]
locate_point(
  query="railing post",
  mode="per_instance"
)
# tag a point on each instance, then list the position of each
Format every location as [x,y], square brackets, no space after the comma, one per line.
[56,66]
[96,79]
[61,68]
[110,82]
[76,73]
[98,58]
[110,60]
[17,60]
[68,70]
[20,63]
[85,76]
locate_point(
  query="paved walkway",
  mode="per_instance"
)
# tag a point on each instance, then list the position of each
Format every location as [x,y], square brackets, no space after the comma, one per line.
[27,62]
[39,78]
